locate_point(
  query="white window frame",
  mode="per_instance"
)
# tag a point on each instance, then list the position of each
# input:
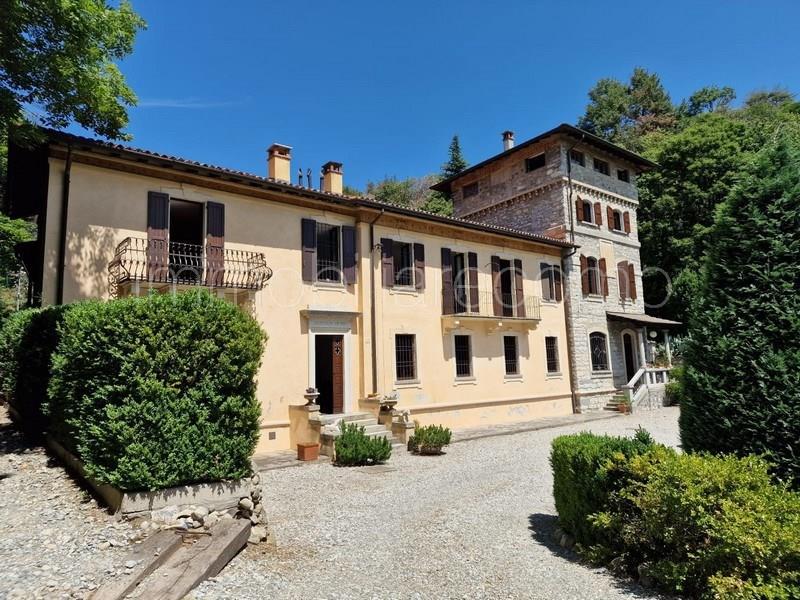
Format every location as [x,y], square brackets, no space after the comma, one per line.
[325,282]
[415,379]
[547,370]
[518,374]
[471,376]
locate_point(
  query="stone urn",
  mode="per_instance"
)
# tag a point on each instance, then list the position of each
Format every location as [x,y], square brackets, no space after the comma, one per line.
[311,396]
[389,401]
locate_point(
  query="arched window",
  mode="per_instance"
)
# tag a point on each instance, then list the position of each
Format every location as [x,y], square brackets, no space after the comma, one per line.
[593,272]
[617,220]
[598,349]
[588,212]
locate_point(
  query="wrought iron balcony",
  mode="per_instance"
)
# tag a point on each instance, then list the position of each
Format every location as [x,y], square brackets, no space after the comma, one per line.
[176,263]
[504,306]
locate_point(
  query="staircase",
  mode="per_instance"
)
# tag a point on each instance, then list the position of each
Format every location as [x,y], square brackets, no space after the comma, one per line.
[329,429]
[615,401]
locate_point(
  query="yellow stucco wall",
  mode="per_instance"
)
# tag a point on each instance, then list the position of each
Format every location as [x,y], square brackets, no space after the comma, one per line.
[107,206]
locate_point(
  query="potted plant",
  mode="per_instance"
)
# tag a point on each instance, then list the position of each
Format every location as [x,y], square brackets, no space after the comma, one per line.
[624,406]
[429,439]
[307,451]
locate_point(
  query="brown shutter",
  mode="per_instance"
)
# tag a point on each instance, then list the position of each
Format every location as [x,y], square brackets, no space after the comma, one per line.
[584,274]
[387,262]
[557,275]
[448,299]
[157,236]
[472,274]
[497,290]
[622,279]
[579,209]
[598,214]
[309,235]
[419,267]
[627,219]
[631,281]
[215,244]
[519,295]
[603,276]
[545,274]
[349,254]
[610,217]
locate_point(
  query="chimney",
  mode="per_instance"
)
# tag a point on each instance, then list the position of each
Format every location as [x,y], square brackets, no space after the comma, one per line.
[332,177]
[279,162]
[508,140]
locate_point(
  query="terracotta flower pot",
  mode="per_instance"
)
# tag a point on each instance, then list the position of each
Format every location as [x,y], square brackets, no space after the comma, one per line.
[307,452]
[624,408]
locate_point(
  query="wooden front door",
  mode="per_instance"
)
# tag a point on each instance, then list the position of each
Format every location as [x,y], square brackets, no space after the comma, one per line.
[631,365]
[338,373]
[329,373]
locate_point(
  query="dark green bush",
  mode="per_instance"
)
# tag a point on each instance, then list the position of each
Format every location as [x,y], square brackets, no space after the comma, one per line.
[27,342]
[429,439]
[704,527]
[353,447]
[158,391]
[583,478]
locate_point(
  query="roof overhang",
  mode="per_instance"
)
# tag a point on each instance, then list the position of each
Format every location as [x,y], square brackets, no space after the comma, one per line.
[641,319]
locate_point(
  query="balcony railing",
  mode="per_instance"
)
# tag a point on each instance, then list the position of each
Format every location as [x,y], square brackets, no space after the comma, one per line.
[505,307]
[162,262]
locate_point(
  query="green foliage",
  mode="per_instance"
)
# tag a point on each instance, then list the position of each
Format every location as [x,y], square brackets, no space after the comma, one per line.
[27,341]
[455,160]
[743,355]
[675,389]
[583,476]
[12,232]
[708,99]
[354,448]
[62,57]
[438,203]
[349,190]
[158,391]
[394,191]
[429,439]
[702,526]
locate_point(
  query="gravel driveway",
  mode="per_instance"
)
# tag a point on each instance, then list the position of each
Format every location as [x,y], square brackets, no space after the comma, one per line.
[475,523]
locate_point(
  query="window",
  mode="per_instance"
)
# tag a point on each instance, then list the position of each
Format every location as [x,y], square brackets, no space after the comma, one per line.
[617,221]
[623,175]
[593,274]
[470,190]
[598,349]
[551,353]
[403,264]
[405,356]
[534,162]
[463,356]
[329,257]
[460,282]
[511,352]
[588,212]
[626,279]
[601,166]
[506,288]
[551,282]
[577,157]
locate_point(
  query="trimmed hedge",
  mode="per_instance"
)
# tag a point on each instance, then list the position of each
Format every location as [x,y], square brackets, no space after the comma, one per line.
[158,391]
[28,339]
[429,439]
[582,481]
[353,447]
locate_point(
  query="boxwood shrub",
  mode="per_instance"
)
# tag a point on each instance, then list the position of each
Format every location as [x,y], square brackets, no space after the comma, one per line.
[353,447]
[429,439]
[28,339]
[582,477]
[158,391]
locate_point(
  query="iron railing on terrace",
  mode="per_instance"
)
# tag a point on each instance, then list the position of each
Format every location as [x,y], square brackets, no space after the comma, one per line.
[159,261]
[506,305]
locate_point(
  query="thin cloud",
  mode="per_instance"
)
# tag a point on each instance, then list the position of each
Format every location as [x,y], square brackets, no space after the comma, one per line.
[187,103]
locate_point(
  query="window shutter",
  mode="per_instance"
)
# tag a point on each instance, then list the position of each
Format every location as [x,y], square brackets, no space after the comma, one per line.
[215,243]
[157,236]
[419,267]
[598,214]
[631,281]
[627,219]
[519,295]
[387,262]
[557,276]
[309,232]
[579,209]
[584,274]
[610,217]
[497,290]
[603,276]
[349,254]
[448,300]
[622,279]
[545,274]
[472,264]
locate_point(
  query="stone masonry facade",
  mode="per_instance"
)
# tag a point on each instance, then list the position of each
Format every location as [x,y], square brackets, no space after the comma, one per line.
[543,201]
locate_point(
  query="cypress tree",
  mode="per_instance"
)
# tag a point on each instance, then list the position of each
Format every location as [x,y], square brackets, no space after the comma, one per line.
[742,378]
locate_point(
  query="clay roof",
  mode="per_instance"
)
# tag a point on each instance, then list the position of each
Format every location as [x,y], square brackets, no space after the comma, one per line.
[164,160]
[641,319]
[563,129]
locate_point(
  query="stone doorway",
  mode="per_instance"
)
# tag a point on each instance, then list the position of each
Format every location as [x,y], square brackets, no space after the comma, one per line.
[329,372]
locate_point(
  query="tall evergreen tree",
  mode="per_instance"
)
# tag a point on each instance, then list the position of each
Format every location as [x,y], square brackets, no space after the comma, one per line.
[455,161]
[742,373]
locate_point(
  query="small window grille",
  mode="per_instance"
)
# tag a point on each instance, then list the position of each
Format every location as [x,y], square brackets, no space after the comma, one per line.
[511,352]
[329,258]
[551,351]
[463,356]
[405,356]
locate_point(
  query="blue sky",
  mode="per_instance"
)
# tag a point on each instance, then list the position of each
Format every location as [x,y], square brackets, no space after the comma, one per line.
[383,86]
